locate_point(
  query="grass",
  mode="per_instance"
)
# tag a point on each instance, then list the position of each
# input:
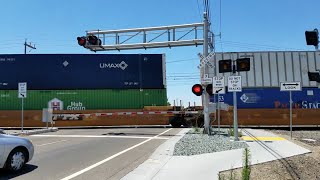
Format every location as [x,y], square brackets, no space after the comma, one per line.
[246,169]
[231,132]
[232,176]
[196,129]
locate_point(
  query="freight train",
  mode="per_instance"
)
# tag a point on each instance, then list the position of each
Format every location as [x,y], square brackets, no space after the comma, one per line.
[80,83]
[261,103]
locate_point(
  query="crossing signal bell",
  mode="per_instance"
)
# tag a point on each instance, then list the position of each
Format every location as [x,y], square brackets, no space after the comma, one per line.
[312,37]
[197,89]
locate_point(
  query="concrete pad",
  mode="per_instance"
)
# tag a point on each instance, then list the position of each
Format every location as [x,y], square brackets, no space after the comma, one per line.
[269,151]
[205,166]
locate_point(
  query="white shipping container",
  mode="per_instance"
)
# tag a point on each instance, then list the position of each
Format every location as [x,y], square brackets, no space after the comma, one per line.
[270,68]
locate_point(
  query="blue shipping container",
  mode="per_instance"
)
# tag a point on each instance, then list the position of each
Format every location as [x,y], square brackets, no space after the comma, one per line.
[82,71]
[269,98]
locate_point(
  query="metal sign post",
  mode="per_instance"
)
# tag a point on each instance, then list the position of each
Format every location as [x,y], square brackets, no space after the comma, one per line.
[290,86]
[22,114]
[22,93]
[290,102]
[235,85]
[218,115]
[218,87]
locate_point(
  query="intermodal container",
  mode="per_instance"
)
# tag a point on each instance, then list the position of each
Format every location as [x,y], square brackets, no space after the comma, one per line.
[82,71]
[84,99]
[273,98]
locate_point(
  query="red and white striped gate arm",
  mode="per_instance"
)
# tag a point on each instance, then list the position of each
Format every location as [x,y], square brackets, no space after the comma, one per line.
[131,113]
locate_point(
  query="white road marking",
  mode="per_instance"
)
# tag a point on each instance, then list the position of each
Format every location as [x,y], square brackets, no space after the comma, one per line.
[98,136]
[51,143]
[111,157]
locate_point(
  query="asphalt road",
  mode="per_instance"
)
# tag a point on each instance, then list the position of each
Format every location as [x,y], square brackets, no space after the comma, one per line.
[90,153]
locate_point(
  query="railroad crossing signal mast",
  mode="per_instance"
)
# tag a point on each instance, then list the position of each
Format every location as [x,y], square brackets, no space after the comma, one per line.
[154,37]
[142,38]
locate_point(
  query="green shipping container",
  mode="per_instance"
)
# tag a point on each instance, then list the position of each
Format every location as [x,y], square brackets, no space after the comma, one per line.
[84,99]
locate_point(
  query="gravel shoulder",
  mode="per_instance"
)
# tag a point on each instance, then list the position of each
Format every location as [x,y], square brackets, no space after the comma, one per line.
[306,167]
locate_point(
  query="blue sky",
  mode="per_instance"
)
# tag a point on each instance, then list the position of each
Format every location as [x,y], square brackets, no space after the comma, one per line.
[246,25]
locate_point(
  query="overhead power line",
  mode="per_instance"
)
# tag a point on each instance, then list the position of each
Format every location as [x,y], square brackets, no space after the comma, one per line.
[199,9]
[181,60]
[255,46]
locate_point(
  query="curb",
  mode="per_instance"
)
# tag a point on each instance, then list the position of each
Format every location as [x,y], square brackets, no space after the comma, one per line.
[94,127]
[37,131]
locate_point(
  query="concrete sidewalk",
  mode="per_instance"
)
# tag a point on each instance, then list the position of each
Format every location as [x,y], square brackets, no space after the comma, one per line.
[162,165]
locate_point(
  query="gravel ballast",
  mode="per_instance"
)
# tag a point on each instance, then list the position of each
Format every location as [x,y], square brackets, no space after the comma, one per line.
[196,143]
[311,137]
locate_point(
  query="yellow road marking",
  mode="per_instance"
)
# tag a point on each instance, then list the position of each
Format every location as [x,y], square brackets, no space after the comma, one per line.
[247,138]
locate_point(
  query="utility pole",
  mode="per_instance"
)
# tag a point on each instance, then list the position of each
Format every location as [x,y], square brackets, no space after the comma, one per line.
[205,95]
[29,46]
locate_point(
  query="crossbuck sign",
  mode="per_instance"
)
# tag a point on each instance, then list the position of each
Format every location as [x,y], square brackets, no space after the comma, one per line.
[206,60]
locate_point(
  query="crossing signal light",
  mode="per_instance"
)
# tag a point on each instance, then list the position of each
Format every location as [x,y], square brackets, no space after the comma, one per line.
[197,89]
[314,76]
[312,37]
[225,66]
[82,41]
[209,89]
[243,64]
[94,40]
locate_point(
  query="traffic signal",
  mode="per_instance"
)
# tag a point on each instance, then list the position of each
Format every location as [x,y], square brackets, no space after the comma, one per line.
[197,89]
[225,66]
[94,40]
[243,64]
[314,76]
[82,41]
[209,89]
[312,37]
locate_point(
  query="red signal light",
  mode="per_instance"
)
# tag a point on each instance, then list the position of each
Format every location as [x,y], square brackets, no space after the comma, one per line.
[82,41]
[197,89]
[209,89]
[94,40]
